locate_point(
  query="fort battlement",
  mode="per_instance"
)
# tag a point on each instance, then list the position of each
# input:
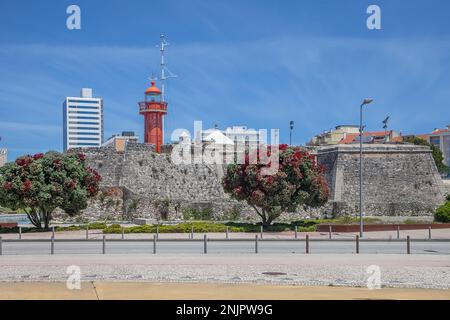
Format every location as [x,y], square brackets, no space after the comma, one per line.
[399,180]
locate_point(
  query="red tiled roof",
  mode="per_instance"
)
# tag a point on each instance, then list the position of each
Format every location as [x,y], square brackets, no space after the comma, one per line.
[438,131]
[423,136]
[350,137]
[396,139]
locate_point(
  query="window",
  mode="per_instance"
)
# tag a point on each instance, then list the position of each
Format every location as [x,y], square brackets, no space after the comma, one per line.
[83,122]
[84,139]
[85,118]
[84,128]
[84,107]
[83,112]
[84,133]
[83,101]
[435,141]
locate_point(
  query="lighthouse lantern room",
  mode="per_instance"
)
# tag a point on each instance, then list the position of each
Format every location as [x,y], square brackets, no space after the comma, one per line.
[153,109]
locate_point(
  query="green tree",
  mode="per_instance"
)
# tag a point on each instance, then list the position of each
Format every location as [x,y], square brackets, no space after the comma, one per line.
[41,183]
[436,152]
[298,181]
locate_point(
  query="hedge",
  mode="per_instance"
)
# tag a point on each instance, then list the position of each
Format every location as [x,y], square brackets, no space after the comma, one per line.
[442,214]
[198,227]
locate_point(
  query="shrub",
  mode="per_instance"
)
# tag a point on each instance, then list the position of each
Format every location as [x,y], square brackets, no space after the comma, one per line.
[97,225]
[234,213]
[196,214]
[199,227]
[163,207]
[442,214]
[302,226]
[41,183]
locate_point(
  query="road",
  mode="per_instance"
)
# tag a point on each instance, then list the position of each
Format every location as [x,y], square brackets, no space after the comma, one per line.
[222,247]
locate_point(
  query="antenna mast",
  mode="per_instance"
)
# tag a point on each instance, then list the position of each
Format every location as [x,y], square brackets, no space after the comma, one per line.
[385,126]
[164,77]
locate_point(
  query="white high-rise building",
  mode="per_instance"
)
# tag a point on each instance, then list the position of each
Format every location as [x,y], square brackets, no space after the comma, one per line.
[83,121]
[3,156]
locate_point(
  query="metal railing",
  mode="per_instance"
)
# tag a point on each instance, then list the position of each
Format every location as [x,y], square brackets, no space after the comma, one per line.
[205,240]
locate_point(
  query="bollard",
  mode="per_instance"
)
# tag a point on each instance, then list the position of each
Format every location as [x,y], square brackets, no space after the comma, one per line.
[429,232]
[408,245]
[296,236]
[1,244]
[262,230]
[20,233]
[123,233]
[154,244]
[87,232]
[256,243]
[53,232]
[104,245]
[329,232]
[205,246]
[226,233]
[192,232]
[157,231]
[307,243]
[398,232]
[52,247]
[357,243]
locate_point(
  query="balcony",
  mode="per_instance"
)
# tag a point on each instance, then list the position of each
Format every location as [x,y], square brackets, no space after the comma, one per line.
[152,106]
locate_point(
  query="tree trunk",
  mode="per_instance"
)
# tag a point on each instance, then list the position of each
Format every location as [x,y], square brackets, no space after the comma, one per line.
[46,223]
[266,219]
[46,216]
[34,218]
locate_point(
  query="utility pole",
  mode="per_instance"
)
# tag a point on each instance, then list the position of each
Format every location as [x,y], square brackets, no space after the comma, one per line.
[361,226]
[291,126]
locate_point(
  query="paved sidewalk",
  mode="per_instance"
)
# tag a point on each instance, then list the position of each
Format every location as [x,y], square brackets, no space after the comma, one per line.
[97,234]
[350,270]
[147,291]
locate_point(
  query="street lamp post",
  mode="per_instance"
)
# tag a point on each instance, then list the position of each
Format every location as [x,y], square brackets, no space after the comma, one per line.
[361,226]
[291,125]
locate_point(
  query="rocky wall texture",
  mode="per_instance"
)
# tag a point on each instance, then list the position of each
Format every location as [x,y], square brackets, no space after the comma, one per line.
[398,180]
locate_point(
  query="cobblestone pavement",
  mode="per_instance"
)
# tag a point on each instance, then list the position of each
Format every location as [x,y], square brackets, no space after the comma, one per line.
[407,271]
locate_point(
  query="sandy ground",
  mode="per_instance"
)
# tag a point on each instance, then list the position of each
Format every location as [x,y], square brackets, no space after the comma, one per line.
[147,291]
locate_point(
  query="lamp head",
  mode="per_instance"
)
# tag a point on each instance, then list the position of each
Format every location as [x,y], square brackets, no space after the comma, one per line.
[366,101]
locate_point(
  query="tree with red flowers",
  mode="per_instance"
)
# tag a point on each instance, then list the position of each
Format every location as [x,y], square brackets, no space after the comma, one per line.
[41,183]
[299,181]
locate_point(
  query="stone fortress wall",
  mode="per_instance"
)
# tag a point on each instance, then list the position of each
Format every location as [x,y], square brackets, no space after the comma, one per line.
[139,183]
[399,180]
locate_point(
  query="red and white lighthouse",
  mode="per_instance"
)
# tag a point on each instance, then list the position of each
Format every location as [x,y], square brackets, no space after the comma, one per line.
[153,108]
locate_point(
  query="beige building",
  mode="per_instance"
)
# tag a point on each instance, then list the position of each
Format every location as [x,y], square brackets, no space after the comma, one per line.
[348,134]
[333,136]
[441,139]
[120,141]
[3,156]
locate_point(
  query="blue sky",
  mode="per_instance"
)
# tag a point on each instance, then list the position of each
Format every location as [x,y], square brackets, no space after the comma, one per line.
[254,63]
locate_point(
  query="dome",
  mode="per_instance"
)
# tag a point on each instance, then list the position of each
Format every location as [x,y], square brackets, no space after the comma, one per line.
[152,90]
